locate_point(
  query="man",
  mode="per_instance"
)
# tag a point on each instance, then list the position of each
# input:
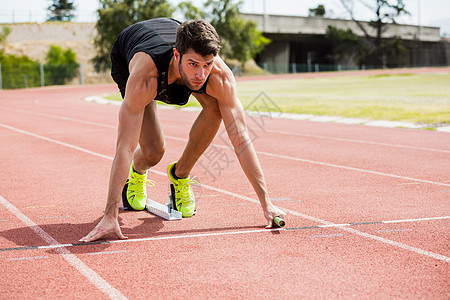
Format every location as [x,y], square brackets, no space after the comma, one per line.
[161,59]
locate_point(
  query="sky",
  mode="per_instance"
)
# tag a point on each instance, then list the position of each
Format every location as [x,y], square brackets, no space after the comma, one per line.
[422,12]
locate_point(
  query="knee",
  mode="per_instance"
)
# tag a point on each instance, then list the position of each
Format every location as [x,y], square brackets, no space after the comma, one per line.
[154,155]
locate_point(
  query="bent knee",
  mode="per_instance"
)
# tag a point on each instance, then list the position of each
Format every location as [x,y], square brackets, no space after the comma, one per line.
[154,155]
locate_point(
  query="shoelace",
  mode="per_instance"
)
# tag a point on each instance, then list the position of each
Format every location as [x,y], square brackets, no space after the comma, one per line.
[140,183]
[183,190]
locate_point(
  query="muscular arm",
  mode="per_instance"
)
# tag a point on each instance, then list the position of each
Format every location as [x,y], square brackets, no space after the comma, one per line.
[141,89]
[224,90]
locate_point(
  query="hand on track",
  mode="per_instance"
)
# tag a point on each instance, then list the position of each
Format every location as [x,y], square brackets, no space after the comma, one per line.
[105,226]
[272,212]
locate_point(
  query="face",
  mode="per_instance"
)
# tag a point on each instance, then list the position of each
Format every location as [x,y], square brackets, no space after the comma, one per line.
[194,68]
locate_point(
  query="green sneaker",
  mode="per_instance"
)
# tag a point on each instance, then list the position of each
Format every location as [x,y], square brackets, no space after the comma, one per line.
[184,197]
[135,190]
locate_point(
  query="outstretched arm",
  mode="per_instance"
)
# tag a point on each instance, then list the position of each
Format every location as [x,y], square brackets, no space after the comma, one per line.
[234,119]
[141,89]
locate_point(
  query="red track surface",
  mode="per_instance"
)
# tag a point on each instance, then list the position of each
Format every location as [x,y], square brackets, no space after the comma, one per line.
[338,183]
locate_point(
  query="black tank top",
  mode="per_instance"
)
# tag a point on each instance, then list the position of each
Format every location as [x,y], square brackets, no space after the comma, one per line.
[156,37]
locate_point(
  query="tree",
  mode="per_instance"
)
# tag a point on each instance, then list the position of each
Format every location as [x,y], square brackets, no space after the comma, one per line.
[18,71]
[61,10]
[319,11]
[190,12]
[116,15]
[240,38]
[61,65]
[4,34]
[345,44]
[386,11]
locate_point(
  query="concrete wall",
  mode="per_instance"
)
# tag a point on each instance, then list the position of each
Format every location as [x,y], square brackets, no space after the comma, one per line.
[305,44]
[277,57]
[317,26]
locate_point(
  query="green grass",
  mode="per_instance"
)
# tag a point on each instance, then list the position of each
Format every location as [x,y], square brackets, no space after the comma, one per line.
[408,97]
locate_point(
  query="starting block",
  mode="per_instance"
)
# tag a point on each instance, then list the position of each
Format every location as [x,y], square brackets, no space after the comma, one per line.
[167,211]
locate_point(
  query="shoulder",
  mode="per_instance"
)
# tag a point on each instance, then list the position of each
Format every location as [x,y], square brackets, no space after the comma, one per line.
[221,82]
[143,65]
[142,83]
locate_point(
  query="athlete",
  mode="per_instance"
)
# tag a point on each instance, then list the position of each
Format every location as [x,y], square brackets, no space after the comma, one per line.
[161,59]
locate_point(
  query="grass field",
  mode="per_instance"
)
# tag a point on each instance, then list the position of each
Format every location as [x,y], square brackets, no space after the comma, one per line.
[421,98]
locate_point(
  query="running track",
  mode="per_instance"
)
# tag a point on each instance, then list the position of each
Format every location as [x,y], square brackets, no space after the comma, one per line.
[368,210]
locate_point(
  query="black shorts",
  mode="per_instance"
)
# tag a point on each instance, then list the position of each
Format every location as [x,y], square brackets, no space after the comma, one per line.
[119,70]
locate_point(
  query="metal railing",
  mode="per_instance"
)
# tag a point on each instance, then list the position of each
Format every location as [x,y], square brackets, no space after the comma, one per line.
[39,16]
[14,76]
[274,68]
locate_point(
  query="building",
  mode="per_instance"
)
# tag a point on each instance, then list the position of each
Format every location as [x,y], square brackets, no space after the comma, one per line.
[299,44]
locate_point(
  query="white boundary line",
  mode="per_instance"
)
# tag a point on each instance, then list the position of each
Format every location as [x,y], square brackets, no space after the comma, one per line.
[352,168]
[307,117]
[60,117]
[269,131]
[74,261]
[228,147]
[356,141]
[55,141]
[317,220]
[327,225]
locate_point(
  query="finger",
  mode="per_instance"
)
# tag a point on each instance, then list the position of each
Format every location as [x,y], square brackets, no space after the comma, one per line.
[269,225]
[120,234]
[95,234]
[86,238]
[281,214]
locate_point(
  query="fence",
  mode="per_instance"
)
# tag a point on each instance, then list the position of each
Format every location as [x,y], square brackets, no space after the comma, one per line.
[14,76]
[41,15]
[274,68]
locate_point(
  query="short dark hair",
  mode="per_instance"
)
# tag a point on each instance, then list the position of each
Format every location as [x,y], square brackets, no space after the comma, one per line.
[199,36]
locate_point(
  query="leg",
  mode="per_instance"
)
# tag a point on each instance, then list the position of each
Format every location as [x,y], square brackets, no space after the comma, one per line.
[201,135]
[151,141]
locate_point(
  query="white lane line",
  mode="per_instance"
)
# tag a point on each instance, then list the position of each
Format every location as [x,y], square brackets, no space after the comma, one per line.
[106,252]
[227,147]
[376,238]
[60,118]
[331,165]
[28,258]
[352,168]
[55,141]
[200,235]
[344,227]
[326,235]
[373,237]
[55,217]
[415,220]
[269,131]
[395,230]
[397,244]
[258,152]
[79,265]
[356,141]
